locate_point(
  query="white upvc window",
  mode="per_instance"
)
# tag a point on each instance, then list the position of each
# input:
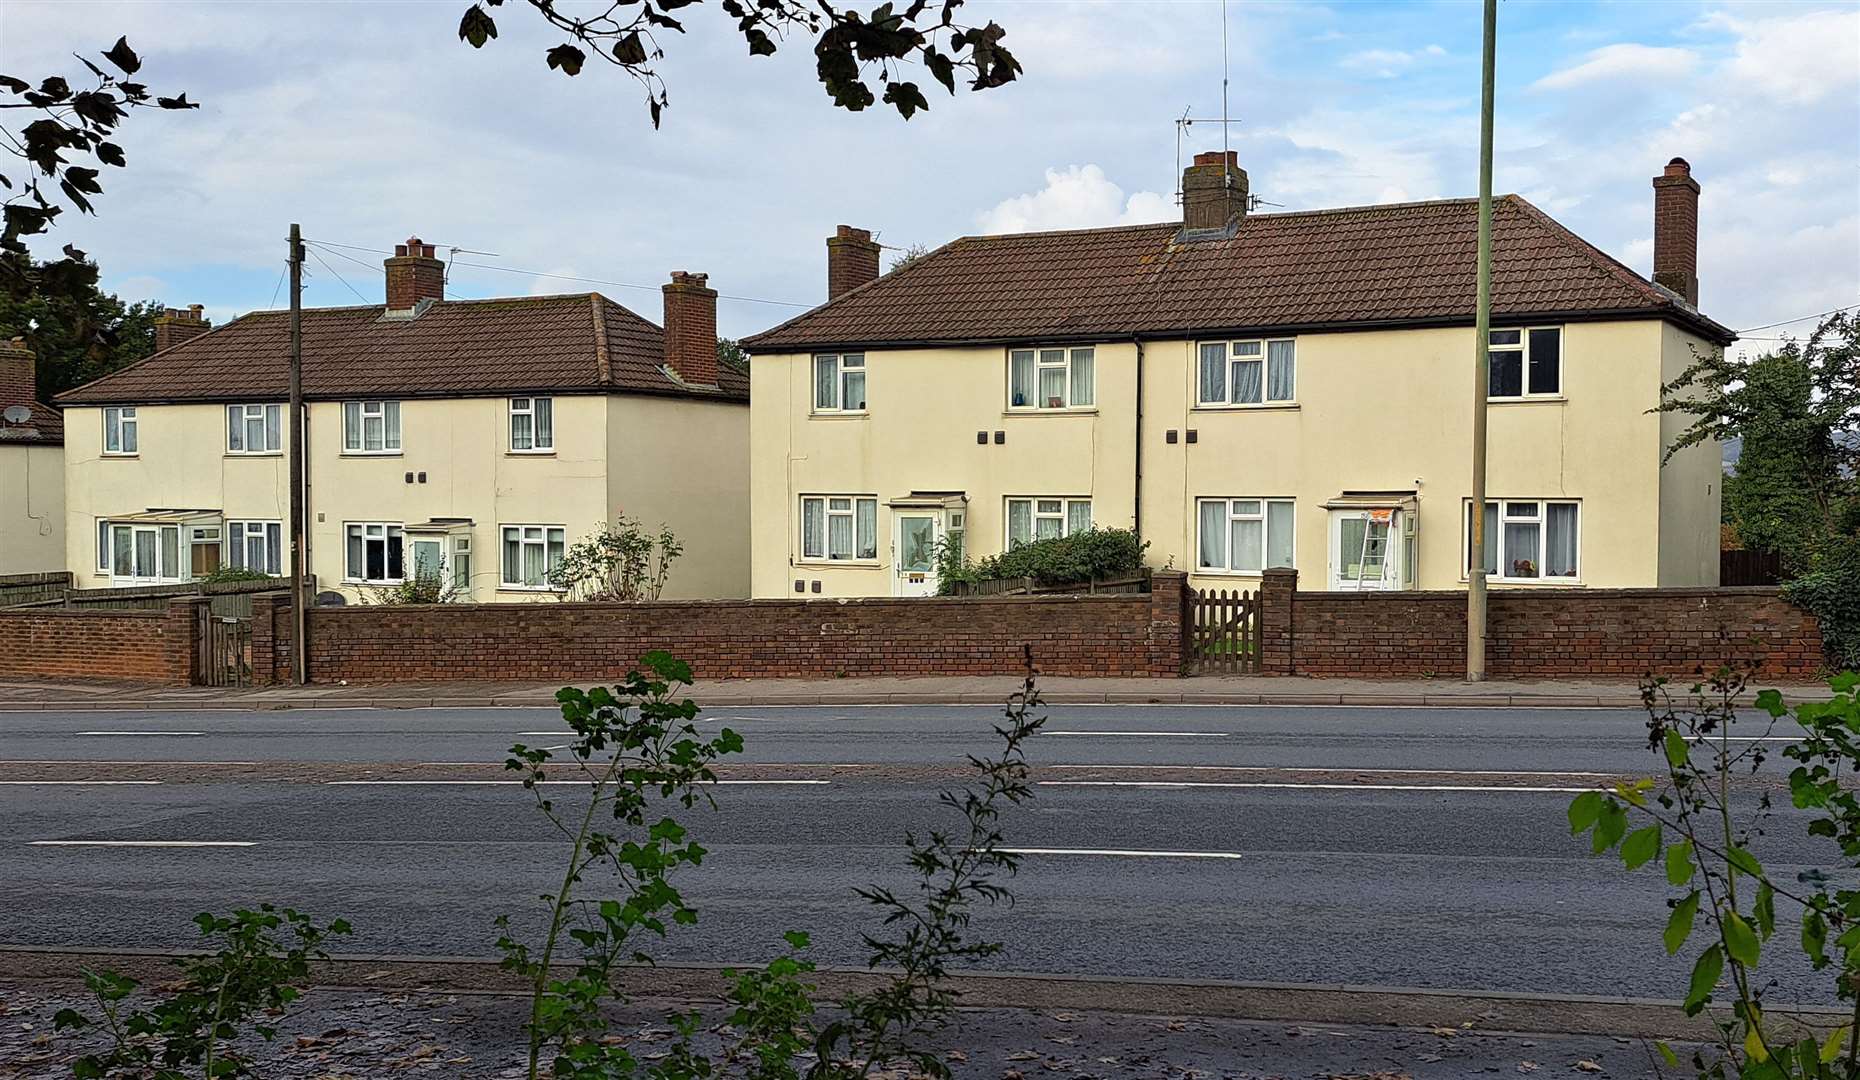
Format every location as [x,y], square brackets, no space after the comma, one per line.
[1526,362]
[1243,536]
[255,545]
[1529,539]
[372,552]
[1258,372]
[839,383]
[1041,379]
[1045,518]
[532,425]
[145,554]
[839,528]
[119,430]
[461,562]
[530,553]
[371,427]
[254,429]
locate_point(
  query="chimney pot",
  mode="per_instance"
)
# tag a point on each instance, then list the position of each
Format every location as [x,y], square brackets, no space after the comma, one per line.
[1214,192]
[1676,230]
[175,325]
[691,328]
[413,275]
[852,260]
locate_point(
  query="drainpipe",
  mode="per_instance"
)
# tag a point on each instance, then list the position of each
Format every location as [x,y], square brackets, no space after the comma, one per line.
[1136,514]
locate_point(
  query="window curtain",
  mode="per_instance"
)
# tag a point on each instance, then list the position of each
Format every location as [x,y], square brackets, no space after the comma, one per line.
[390,417]
[1078,517]
[274,551]
[1052,387]
[1214,372]
[1020,370]
[825,368]
[813,528]
[351,425]
[1560,541]
[1211,551]
[1248,539]
[1280,370]
[274,427]
[1246,381]
[839,536]
[866,527]
[1521,539]
[520,438]
[854,397]
[355,551]
[235,428]
[1083,363]
[544,421]
[1020,522]
[1278,534]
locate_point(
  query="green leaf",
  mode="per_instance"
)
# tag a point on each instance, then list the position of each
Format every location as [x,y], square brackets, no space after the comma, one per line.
[1743,861]
[1679,923]
[568,58]
[1679,863]
[1666,1053]
[1704,977]
[1765,910]
[1677,752]
[1641,846]
[477,27]
[123,56]
[1815,936]
[1770,701]
[1609,827]
[1836,1042]
[1740,940]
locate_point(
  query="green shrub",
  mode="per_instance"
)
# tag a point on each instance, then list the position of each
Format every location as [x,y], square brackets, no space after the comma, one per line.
[222,574]
[1066,560]
[1831,591]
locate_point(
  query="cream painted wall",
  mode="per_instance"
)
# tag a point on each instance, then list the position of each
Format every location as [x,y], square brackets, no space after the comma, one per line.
[1375,410]
[32,508]
[461,445]
[1691,484]
[686,464]
[919,434]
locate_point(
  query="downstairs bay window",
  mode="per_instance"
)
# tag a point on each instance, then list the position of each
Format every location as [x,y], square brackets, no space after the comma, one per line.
[1243,536]
[1529,540]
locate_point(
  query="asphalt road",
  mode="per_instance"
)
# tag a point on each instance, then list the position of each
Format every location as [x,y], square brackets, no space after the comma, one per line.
[1378,846]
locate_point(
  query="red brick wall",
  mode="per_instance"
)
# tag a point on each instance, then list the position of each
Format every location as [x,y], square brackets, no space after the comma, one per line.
[691,328]
[1544,633]
[728,639]
[75,643]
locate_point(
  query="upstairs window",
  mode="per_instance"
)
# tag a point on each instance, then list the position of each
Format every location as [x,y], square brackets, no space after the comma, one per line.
[254,429]
[839,382]
[839,528]
[1247,372]
[1045,519]
[1526,363]
[371,427]
[119,429]
[532,425]
[1529,539]
[1051,378]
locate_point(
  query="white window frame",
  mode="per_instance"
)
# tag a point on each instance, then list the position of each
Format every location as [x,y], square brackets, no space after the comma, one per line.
[1234,353]
[121,427]
[1522,347]
[830,508]
[389,531]
[461,562]
[1505,517]
[1036,513]
[238,536]
[1066,358]
[1231,513]
[541,437]
[545,536]
[844,366]
[104,564]
[355,421]
[167,536]
[239,422]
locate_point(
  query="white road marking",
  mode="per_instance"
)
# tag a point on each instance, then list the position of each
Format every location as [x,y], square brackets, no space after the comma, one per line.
[119,733]
[551,783]
[1746,738]
[1365,769]
[1318,787]
[143,843]
[1125,853]
[95,761]
[1156,734]
[558,734]
[81,783]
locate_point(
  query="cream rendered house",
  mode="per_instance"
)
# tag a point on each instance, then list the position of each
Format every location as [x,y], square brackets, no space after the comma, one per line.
[478,438]
[32,470]
[1246,391]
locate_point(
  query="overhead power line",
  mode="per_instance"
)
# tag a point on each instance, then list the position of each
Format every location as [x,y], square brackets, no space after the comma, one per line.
[1802,318]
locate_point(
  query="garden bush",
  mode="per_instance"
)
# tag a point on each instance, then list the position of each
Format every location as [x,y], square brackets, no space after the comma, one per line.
[1064,560]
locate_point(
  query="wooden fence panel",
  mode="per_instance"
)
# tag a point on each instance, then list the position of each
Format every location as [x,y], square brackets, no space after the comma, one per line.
[225,646]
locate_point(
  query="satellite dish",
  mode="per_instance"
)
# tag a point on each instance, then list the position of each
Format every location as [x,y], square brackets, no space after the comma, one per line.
[17,414]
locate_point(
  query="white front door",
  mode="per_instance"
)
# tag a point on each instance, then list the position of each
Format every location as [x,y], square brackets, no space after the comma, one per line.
[913,552]
[1362,556]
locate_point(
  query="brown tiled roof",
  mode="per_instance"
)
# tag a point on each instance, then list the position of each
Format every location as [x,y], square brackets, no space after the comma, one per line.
[46,428]
[1406,263]
[582,343]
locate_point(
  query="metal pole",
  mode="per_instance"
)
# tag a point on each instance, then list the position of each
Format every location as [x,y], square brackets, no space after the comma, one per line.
[299,619]
[1482,341]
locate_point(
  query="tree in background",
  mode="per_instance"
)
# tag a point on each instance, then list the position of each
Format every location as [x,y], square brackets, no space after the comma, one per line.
[79,331]
[848,46]
[908,256]
[730,352]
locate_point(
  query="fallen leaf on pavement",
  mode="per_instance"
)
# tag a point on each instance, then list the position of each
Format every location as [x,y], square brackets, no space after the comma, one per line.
[1023,1055]
[1446,1032]
[1586,1065]
[1527,1066]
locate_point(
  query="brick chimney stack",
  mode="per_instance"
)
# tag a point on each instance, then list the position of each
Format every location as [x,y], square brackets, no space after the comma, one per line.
[18,378]
[413,275]
[1214,192]
[174,326]
[1676,230]
[852,260]
[691,328]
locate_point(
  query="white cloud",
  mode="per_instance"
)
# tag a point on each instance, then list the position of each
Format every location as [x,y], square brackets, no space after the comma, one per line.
[1388,63]
[1613,63]
[1799,59]
[1076,197]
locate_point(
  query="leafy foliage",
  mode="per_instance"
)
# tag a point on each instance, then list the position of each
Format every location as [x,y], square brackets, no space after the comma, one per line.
[1831,590]
[908,256]
[1707,851]
[428,585]
[221,575]
[1064,560]
[249,979]
[730,354]
[79,331]
[72,127]
[849,47]
[622,562]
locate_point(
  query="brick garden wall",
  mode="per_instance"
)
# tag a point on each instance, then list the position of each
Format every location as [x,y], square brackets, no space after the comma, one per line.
[30,588]
[1536,633]
[143,646]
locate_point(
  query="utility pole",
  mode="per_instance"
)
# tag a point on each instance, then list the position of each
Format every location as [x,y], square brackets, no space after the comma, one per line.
[299,619]
[1482,362]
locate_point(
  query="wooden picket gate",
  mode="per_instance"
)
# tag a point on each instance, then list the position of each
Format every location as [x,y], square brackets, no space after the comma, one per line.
[1224,632]
[225,649]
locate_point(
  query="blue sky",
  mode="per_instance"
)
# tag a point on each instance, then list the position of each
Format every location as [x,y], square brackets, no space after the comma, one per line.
[370,121]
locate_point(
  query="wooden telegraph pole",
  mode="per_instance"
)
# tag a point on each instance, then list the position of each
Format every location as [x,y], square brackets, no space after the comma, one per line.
[299,601]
